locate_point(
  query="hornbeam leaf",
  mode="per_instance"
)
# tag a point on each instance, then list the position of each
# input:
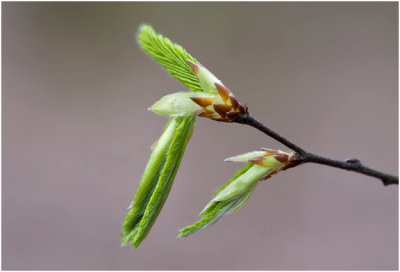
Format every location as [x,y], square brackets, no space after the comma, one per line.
[171,56]
[167,153]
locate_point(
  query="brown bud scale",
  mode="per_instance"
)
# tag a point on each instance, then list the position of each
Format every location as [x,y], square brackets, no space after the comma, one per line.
[223,92]
[282,158]
[257,160]
[202,101]
[234,102]
[270,174]
[270,151]
[193,66]
[222,109]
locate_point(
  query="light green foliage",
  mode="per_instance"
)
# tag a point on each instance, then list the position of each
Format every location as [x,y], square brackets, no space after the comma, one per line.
[167,153]
[237,174]
[157,180]
[163,164]
[242,184]
[171,56]
[147,183]
[216,209]
[235,193]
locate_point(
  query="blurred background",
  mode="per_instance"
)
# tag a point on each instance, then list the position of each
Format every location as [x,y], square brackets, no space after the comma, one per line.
[77,134]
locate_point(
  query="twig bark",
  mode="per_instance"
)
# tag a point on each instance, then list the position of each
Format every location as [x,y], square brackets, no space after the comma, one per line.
[303,156]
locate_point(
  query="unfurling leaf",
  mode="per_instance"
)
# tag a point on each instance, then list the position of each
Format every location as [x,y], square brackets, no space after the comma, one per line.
[157,180]
[234,194]
[171,56]
[167,153]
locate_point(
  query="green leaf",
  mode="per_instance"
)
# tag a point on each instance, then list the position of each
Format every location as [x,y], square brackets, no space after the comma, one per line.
[166,177]
[238,174]
[216,209]
[157,181]
[242,184]
[215,213]
[171,56]
[167,153]
[148,182]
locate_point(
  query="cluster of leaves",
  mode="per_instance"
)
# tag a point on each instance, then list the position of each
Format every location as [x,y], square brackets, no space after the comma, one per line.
[167,152]
[207,97]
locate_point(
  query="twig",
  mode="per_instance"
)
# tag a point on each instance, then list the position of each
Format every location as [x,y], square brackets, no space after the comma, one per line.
[303,156]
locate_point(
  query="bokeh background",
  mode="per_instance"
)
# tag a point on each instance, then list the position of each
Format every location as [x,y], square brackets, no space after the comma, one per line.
[77,134]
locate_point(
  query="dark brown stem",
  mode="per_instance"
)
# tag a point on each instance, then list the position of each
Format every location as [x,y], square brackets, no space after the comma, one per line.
[304,156]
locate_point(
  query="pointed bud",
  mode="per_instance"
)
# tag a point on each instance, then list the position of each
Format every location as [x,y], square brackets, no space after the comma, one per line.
[265,157]
[245,157]
[217,103]
[178,104]
[224,108]
[266,163]
[206,78]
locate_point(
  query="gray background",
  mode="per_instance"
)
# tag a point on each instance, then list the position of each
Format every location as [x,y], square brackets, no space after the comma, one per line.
[77,135]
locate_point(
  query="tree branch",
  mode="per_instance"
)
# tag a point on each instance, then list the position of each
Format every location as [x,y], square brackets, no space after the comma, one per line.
[303,156]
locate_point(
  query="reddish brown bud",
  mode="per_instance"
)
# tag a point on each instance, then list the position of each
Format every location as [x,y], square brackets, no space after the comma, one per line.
[352,160]
[225,106]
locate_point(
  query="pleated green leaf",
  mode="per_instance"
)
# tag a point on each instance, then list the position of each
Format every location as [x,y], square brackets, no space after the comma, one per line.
[171,56]
[157,180]
[164,161]
[217,209]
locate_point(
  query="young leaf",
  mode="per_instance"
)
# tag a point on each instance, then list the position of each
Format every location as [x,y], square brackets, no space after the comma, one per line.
[166,177]
[167,153]
[171,56]
[235,193]
[215,210]
[147,183]
[157,180]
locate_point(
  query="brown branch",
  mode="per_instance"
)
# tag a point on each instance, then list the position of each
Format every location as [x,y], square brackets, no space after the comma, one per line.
[303,156]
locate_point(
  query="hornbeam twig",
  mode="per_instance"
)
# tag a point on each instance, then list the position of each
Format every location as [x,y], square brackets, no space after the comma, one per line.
[303,156]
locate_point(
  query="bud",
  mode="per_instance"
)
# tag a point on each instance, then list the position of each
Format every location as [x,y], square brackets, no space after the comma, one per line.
[217,103]
[235,193]
[177,104]
[266,157]
[222,106]
[266,163]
